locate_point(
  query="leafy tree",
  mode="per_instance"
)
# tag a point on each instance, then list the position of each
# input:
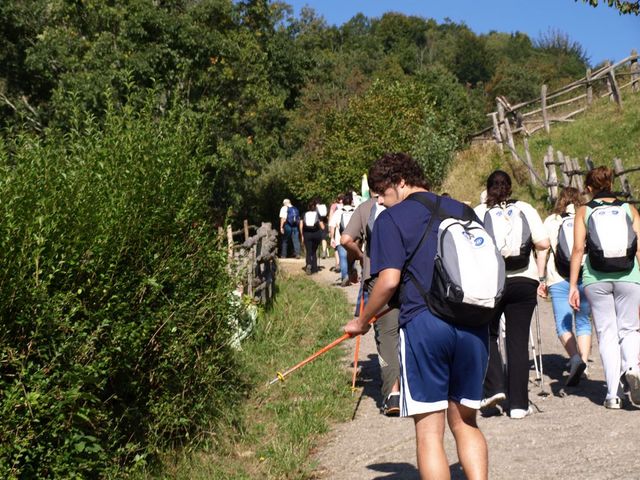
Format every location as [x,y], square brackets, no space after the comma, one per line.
[471,62]
[625,7]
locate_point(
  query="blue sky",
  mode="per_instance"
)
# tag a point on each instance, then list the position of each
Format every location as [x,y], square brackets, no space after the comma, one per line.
[604,34]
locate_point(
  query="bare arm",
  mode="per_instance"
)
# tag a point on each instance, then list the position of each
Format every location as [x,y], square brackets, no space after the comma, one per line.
[579,237]
[542,256]
[636,228]
[387,282]
[351,246]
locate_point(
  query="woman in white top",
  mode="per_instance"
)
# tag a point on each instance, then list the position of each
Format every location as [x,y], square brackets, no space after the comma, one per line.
[578,346]
[524,272]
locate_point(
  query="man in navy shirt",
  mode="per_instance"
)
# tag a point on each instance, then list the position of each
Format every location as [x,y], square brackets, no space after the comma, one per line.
[442,365]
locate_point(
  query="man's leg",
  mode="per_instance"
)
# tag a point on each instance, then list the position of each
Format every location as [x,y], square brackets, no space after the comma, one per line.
[432,459]
[470,442]
[285,241]
[295,237]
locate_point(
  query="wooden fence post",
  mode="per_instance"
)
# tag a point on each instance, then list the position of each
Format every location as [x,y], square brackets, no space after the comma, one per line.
[527,159]
[501,122]
[245,226]
[624,182]
[589,87]
[589,163]
[496,128]
[565,177]
[635,72]
[552,178]
[615,92]
[577,174]
[229,244]
[543,101]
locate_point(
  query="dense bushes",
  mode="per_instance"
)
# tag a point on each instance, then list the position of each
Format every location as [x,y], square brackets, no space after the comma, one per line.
[114,300]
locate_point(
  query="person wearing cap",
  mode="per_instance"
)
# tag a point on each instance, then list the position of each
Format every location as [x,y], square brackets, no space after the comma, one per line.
[289,230]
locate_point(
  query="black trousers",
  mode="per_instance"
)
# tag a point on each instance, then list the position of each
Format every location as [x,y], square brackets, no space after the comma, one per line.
[517,304]
[311,242]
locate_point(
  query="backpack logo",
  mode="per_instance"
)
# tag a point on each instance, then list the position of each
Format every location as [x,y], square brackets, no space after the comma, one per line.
[479,241]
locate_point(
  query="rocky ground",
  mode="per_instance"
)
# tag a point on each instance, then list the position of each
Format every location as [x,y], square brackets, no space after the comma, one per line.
[570,436]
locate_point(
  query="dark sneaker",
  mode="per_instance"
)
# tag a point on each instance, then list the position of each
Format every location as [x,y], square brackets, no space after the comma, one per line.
[575,373]
[391,407]
[308,269]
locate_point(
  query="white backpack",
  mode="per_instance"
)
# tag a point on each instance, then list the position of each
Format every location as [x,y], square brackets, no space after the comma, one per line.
[347,213]
[611,241]
[321,208]
[311,219]
[511,233]
[468,273]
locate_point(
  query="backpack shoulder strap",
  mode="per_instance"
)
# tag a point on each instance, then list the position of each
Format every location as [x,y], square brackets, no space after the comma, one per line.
[435,212]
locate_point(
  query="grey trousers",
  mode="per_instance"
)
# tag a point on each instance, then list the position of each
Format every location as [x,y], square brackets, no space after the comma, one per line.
[614,307]
[386,336]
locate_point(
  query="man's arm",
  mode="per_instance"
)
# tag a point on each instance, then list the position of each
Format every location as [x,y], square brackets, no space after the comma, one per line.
[386,284]
[351,246]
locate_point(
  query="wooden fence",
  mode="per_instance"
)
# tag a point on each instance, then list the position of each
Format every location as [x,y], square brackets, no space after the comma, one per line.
[572,173]
[531,116]
[512,122]
[253,264]
[254,260]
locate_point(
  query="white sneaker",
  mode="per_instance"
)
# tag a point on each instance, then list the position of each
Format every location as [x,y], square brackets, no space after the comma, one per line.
[633,380]
[518,413]
[612,403]
[493,400]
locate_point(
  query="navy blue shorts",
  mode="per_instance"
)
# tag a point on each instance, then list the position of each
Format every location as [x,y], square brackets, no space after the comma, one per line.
[440,362]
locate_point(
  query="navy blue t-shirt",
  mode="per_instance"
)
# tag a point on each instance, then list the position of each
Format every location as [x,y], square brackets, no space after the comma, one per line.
[396,234]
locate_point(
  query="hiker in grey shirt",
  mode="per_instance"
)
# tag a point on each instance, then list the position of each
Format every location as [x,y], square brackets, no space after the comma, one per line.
[358,231]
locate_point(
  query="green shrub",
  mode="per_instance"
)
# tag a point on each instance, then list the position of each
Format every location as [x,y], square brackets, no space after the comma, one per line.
[114,297]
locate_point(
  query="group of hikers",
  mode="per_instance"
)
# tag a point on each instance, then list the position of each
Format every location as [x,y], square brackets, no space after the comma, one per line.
[449,278]
[317,227]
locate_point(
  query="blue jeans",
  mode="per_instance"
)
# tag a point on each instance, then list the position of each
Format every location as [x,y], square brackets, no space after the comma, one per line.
[292,233]
[344,263]
[563,312]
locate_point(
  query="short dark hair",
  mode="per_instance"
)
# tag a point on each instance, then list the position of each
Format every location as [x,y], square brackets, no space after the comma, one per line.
[347,198]
[498,187]
[389,169]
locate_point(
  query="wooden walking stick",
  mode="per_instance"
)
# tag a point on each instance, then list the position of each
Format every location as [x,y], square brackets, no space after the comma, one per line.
[280,376]
[357,350]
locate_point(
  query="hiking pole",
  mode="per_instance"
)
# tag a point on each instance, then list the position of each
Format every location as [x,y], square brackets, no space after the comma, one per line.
[535,355]
[543,392]
[280,375]
[357,349]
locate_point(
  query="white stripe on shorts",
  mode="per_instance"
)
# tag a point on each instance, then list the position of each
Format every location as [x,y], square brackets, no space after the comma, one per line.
[409,406]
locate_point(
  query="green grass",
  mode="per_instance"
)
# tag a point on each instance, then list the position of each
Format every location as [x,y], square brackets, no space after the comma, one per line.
[603,132]
[274,432]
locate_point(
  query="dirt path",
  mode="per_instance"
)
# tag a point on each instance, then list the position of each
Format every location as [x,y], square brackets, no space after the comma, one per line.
[567,437]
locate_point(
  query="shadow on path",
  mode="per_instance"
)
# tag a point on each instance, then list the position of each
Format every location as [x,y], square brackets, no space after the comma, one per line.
[406,471]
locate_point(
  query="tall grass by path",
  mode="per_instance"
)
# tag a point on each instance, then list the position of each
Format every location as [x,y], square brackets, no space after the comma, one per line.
[274,432]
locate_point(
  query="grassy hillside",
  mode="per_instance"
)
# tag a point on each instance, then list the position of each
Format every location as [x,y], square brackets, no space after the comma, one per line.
[603,133]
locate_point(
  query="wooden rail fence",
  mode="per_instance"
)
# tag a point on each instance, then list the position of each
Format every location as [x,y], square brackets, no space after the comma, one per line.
[253,263]
[511,122]
[531,116]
